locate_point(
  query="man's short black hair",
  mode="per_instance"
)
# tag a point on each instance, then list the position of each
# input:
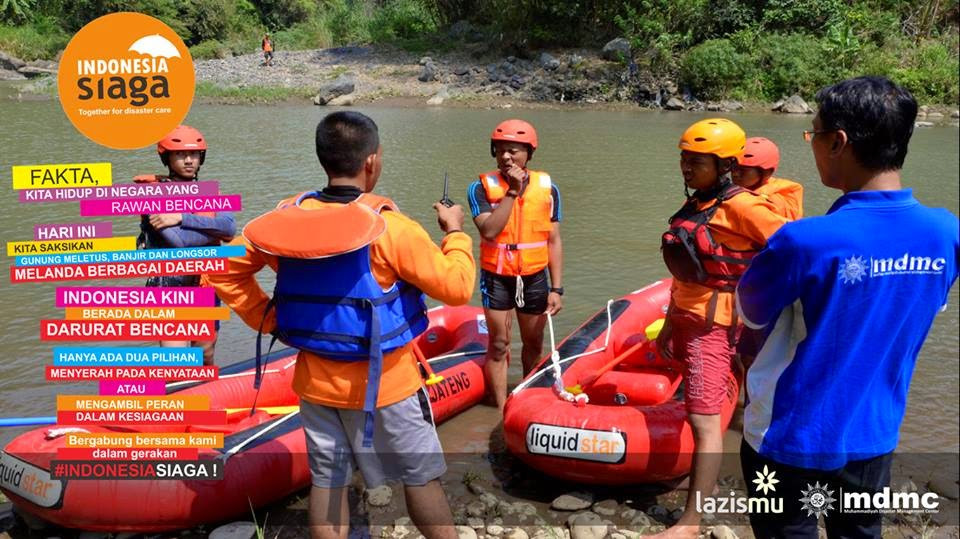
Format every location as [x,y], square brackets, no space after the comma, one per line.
[877,116]
[344,140]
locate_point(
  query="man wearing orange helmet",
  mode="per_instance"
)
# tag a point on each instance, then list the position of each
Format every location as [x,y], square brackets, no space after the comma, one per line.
[183,151]
[518,212]
[708,246]
[761,158]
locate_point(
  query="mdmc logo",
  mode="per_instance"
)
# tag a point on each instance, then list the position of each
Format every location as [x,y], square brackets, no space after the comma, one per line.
[126,80]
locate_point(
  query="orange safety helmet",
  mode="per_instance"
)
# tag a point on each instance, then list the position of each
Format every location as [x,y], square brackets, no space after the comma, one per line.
[761,153]
[716,136]
[185,138]
[514,130]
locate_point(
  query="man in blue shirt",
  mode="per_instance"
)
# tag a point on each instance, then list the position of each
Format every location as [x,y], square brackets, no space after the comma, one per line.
[847,299]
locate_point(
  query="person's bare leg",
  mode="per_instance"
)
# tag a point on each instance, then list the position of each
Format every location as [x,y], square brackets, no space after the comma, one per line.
[498,354]
[430,511]
[707,456]
[531,333]
[329,513]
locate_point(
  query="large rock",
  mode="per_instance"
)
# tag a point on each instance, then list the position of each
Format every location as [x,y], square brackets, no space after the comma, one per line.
[723,532]
[235,530]
[955,114]
[10,62]
[428,73]
[9,74]
[548,61]
[945,487]
[342,85]
[674,103]
[795,105]
[587,526]
[341,101]
[923,124]
[466,532]
[935,116]
[573,501]
[606,508]
[380,496]
[731,106]
[516,533]
[616,50]
[439,97]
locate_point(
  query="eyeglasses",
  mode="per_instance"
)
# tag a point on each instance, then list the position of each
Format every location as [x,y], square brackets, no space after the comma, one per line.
[808,134]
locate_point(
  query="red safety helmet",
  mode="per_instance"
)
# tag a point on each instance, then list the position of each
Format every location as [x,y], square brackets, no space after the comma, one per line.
[761,153]
[514,131]
[184,138]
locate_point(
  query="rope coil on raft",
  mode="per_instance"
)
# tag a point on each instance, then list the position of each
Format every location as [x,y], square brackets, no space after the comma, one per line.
[556,362]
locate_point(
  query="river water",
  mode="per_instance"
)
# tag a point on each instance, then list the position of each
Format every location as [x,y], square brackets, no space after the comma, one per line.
[617,172]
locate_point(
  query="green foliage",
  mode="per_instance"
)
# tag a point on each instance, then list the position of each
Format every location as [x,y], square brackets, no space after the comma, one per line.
[251,94]
[792,64]
[209,49]
[403,19]
[802,15]
[310,34]
[209,19]
[16,11]
[714,68]
[931,75]
[280,14]
[40,38]
[347,21]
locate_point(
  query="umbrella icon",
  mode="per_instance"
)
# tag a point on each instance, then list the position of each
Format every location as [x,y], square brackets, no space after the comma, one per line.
[155,45]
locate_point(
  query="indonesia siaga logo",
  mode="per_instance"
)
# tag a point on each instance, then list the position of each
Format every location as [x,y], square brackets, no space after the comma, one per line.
[817,500]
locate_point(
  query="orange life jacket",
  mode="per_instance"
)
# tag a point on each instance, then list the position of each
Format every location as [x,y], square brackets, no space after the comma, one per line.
[521,247]
[786,195]
[690,251]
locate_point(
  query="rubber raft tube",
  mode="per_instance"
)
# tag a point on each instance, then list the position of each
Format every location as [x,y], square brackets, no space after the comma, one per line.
[264,454]
[634,428]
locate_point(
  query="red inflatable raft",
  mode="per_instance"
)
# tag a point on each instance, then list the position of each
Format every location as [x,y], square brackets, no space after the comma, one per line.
[264,455]
[634,428]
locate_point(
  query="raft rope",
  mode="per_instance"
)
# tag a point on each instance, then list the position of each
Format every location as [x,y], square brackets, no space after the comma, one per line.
[556,362]
[233,450]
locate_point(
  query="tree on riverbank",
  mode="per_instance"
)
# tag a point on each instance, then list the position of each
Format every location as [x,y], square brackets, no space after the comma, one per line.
[746,49]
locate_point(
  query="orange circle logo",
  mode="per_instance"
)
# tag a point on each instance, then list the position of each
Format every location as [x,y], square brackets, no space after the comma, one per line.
[126,80]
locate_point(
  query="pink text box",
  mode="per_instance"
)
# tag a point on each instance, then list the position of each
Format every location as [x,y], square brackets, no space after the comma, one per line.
[72,231]
[131,387]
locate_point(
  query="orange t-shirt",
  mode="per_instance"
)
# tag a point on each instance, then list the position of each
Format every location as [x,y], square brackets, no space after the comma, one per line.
[404,252]
[742,222]
[786,195]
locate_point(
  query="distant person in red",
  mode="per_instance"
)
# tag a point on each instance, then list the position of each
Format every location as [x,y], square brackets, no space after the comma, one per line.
[267,46]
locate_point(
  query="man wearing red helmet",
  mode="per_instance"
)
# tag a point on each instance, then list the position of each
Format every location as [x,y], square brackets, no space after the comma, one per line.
[761,158]
[518,212]
[183,151]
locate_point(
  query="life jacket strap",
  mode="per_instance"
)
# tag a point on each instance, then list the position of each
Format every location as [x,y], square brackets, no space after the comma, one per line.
[258,375]
[359,303]
[374,370]
[353,339]
[506,249]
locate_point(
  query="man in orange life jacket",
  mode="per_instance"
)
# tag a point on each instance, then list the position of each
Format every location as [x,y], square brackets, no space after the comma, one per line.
[755,172]
[351,274]
[183,151]
[761,157]
[708,246]
[518,213]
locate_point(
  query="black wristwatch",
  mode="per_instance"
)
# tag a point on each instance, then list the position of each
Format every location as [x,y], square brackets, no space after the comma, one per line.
[559,291]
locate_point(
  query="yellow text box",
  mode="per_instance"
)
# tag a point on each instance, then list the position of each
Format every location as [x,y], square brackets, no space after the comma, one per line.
[97,403]
[52,247]
[61,176]
[147,313]
[108,440]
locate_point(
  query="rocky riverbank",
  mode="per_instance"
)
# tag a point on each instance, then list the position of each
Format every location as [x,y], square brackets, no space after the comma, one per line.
[471,76]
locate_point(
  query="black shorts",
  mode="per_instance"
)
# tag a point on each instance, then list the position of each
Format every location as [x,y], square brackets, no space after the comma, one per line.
[799,520]
[499,292]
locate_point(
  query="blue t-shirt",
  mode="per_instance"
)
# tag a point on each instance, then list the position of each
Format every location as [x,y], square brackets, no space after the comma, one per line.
[848,299]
